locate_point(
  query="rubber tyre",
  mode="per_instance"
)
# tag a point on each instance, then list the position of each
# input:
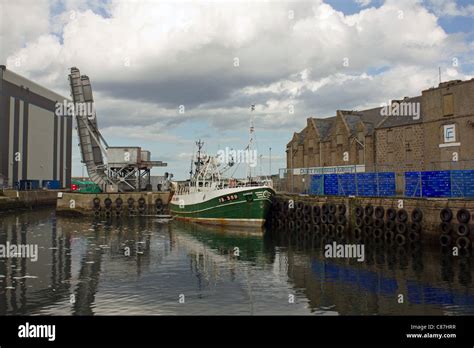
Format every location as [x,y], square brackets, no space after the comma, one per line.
[463,216]
[446,215]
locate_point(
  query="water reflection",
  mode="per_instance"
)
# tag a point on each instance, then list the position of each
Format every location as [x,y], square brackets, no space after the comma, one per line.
[143,266]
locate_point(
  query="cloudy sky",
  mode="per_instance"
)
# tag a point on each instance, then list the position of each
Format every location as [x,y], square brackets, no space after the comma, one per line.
[292,59]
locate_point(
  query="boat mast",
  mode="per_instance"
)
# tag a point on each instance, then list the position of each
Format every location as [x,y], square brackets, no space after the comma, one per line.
[250,145]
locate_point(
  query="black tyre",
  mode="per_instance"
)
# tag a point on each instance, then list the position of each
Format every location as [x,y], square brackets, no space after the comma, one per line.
[463,216]
[359,221]
[141,201]
[359,211]
[445,240]
[291,225]
[341,209]
[316,229]
[389,235]
[402,215]
[378,233]
[331,219]
[316,210]
[415,227]
[446,215]
[118,202]
[107,202]
[299,224]
[341,228]
[463,243]
[308,228]
[324,218]
[307,209]
[368,220]
[358,234]
[369,210]
[379,212]
[341,219]
[324,208]
[416,215]
[378,223]
[391,214]
[463,230]
[316,220]
[298,214]
[332,208]
[401,228]
[400,239]
[368,231]
[446,227]
[331,231]
[307,217]
[96,201]
[391,225]
[130,201]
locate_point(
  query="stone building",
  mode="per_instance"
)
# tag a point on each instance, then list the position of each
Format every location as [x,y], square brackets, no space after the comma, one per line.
[433,131]
[449,122]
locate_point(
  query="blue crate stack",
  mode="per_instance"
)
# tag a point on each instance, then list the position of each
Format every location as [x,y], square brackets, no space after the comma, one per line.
[331,185]
[468,183]
[457,183]
[366,184]
[317,184]
[436,183]
[412,184]
[386,184]
[347,184]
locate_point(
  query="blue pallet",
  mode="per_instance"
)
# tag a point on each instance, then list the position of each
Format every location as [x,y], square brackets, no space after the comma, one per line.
[413,184]
[317,185]
[51,184]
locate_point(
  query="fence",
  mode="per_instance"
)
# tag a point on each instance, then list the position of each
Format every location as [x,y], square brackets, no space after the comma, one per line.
[440,183]
[354,184]
[440,179]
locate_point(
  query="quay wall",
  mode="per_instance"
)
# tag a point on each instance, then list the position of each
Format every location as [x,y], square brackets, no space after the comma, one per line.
[70,203]
[13,199]
[430,207]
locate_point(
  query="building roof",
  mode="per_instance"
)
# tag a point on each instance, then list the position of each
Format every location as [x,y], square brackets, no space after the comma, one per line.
[396,121]
[371,118]
[324,125]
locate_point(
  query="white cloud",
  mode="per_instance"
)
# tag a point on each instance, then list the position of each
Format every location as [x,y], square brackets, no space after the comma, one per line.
[21,21]
[145,58]
[450,8]
[363,3]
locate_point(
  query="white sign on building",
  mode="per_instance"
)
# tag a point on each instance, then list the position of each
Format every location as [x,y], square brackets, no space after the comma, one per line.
[360,168]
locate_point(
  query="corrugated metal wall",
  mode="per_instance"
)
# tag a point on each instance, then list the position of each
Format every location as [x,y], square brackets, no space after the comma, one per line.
[35,144]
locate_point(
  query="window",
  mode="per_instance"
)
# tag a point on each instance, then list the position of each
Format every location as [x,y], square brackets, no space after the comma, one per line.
[448,105]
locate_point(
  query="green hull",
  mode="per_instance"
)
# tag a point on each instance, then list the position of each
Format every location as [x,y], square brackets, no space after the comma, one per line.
[241,207]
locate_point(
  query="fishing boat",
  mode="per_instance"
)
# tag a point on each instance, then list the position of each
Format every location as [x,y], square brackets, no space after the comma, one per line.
[210,197]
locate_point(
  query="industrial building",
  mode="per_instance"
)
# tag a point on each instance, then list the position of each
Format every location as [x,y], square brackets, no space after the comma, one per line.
[35,143]
[437,135]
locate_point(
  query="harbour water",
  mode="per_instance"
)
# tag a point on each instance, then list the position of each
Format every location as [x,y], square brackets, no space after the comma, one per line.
[144,266]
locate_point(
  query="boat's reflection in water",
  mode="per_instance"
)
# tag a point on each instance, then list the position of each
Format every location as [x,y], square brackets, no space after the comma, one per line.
[142,266]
